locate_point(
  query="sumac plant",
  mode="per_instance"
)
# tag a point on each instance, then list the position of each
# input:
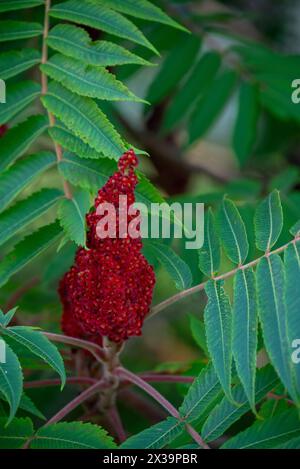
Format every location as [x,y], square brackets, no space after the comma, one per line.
[63,151]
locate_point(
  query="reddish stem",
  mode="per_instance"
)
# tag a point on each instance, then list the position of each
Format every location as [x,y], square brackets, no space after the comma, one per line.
[123,373]
[115,422]
[165,378]
[57,382]
[93,348]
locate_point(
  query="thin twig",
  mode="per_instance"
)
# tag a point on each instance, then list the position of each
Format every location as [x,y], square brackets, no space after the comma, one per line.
[44,81]
[165,378]
[57,382]
[91,347]
[115,422]
[123,373]
[190,291]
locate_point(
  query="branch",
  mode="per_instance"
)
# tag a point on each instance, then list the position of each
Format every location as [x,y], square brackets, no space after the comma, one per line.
[165,378]
[57,382]
[123,373]
[114,419]
[190,291]
[94,349]
[44,82]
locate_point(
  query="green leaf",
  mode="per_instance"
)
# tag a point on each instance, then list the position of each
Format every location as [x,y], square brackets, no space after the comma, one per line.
[172,69]
[93,14]
[272,313]
[74,144]
[204,390]
[72,213]
[294,443]
[87,80]
[16,434]
[28,405]
[26,211]
[211,104]
[18,96]
[246,122]
[155,437]
[16,141]
[244,343]
[194,86]
[267,434]
[268,222]
[7,317]
[76,43]
[85,119]
[14,62]
[11,380]
[35,341]
[233,232]
[210,253]
[292,301]
[27,250]
[142,9]
[72,435]
[198,333]
[295,230]
[16,30]
[22,173]
[225,414]
[8,5]
[178,270]
[218,323]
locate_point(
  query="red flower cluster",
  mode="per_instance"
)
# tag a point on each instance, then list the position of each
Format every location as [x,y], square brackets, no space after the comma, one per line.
[3,130]
[108,291]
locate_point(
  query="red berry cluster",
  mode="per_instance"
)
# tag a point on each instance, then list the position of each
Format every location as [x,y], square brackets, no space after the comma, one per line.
[3,130]
[108,291]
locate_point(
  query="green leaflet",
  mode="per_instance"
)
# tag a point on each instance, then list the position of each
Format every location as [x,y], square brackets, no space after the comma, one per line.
[210,253]
[172,69]
[85,119]
[71,214]
[87,80]
[26,211]
[75,42]
[7,317]
[38,345]
[246,122]
[294,443]
[14,62]
[72,435]
[268,221]
[226,413]
[178,270]
[244,343]
[14,179]
[18,139]
[29,406]
[18,96]
[204,390]
[233,232]
[70,142]
[198,333]
[269,433]
[142,9]
[16,434]
[193,87]
[93,14]
[16,30]
[295,230]
[272,313]
[8,5]
[11,381]
[210,105]
[27,250]
[218,323]
[292,301]
[155,437]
